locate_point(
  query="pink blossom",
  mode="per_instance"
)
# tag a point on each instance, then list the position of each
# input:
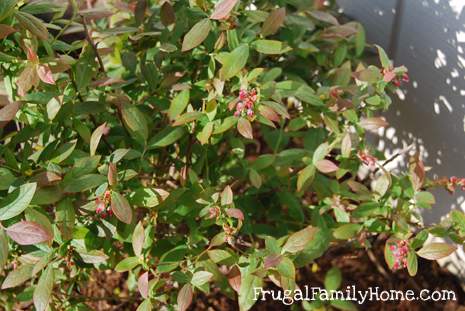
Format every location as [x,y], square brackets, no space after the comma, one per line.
[400,252]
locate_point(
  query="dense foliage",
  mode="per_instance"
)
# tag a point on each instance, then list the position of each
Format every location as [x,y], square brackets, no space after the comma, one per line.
[194,145]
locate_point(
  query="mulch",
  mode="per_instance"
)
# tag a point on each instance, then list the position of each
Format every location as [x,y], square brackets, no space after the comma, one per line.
[357,269]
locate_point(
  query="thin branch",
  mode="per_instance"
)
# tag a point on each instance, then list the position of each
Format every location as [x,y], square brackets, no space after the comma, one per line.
[395,156]
[92,118]
[92,44]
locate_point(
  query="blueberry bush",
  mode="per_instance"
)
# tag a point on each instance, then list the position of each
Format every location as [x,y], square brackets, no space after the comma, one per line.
[195,145]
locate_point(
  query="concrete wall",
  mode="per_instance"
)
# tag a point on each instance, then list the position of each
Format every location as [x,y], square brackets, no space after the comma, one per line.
[427,36]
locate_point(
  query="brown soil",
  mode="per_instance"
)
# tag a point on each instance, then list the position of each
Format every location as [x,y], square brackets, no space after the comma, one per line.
[357,269]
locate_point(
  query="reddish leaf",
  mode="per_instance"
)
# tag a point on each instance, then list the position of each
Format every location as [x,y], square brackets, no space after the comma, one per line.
[196,35]
[272,261]
[268,113]
[28,233]
[298,240]
[324,17]
[96,136]
[46,178]
[167,15]
[234,278]
[27,79]
[120,207]
[5,31]
[45,74]
[373,124]
[143,284]
[235,213]
[273,22]
[245,128]
[8,112]
[389,76]
[185,297]
[223,9]
[326,166]
[112,174]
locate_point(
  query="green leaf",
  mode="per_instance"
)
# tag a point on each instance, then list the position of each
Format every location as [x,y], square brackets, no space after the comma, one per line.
[17,201]
[321,152]
[360,40]
[135,122]
[64,218]
[255,178]
[146,305]
[343,305]
[187,117]
[127,264]
[6,8]
[96,136]
[120,207]
[178,104]
[85,182]
[64,151]
[6,178]
[249,281]
[286,268]
[333,279]
[43,289]
[381,184]
[298,240]
[340,54]
[383,58]
[138,238]
[234,62]
[205,134]
[166,137]
[201,277]
[346,146]
[412,263]
[85,69]
[346,231]
[93,257]
[3,249]
[305,177]
[226,196]
[227,123]
[33,24]
[434,251]
[218,255]
[18,276]
[424,199]
[271,47]
[458,217]
[198,33]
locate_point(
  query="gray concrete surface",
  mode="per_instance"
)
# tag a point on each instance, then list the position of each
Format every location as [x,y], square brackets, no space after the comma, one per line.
[427,36]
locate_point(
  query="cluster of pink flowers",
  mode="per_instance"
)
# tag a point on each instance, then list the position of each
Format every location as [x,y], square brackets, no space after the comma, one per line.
[390,76]
[399,250]
[214,212]
[455,182]
[367,158]
[103,208]
[245,105]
